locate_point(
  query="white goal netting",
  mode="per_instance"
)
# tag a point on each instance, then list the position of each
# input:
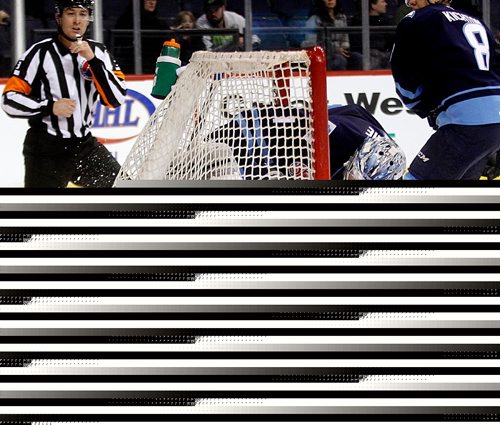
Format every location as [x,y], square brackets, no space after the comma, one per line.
[231,116]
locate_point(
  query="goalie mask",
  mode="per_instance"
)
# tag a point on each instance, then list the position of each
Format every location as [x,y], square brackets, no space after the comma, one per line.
[378,158]
[60,5]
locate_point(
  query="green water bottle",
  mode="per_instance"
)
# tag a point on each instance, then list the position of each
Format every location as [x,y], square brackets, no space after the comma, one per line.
[166,69]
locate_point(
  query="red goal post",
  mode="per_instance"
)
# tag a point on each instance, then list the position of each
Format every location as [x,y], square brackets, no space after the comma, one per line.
[320,113]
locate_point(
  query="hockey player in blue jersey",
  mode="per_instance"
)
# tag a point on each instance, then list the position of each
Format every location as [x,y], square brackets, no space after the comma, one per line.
[442,63]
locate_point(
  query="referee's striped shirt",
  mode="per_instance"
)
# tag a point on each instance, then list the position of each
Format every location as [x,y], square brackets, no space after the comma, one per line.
[48,72]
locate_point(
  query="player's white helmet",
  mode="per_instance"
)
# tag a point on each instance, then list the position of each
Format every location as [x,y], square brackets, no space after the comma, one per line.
[378,158]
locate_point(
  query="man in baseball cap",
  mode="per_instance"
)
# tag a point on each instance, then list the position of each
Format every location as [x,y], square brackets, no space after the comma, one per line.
[214,10]
[217,17]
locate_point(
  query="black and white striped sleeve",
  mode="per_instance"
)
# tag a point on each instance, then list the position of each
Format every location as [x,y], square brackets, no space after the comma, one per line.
[107,77]
[18,99]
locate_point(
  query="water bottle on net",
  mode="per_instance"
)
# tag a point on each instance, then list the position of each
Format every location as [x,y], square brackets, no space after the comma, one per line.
[166,69]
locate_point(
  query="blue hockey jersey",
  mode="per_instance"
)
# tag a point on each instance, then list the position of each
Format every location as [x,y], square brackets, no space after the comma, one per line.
[442,63]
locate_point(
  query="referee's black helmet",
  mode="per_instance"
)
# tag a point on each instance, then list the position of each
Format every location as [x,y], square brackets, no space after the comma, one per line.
[60,5]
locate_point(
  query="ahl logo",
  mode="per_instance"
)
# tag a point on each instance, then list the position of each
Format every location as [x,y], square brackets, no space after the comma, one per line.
[122,124]
[85,71]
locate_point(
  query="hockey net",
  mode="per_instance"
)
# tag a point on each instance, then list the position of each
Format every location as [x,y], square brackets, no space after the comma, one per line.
[238,116]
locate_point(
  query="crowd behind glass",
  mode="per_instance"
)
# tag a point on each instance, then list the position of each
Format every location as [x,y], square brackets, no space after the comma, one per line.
[277,25]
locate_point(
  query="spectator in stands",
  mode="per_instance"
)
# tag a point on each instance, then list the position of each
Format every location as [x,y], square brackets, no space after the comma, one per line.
[185,20]
[328,14]
[217,17]
[151,43]
[380,42]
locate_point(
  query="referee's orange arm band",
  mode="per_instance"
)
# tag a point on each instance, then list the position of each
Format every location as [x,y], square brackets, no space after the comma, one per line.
[18,85]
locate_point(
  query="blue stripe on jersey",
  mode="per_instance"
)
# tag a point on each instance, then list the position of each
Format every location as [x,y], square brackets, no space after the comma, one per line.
[409,98]
[476,111]
[469,94]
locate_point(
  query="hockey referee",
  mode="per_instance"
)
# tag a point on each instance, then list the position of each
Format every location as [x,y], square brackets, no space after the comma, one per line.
[56,85]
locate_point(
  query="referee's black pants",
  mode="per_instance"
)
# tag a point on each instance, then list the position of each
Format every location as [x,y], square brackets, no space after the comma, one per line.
[53,162]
